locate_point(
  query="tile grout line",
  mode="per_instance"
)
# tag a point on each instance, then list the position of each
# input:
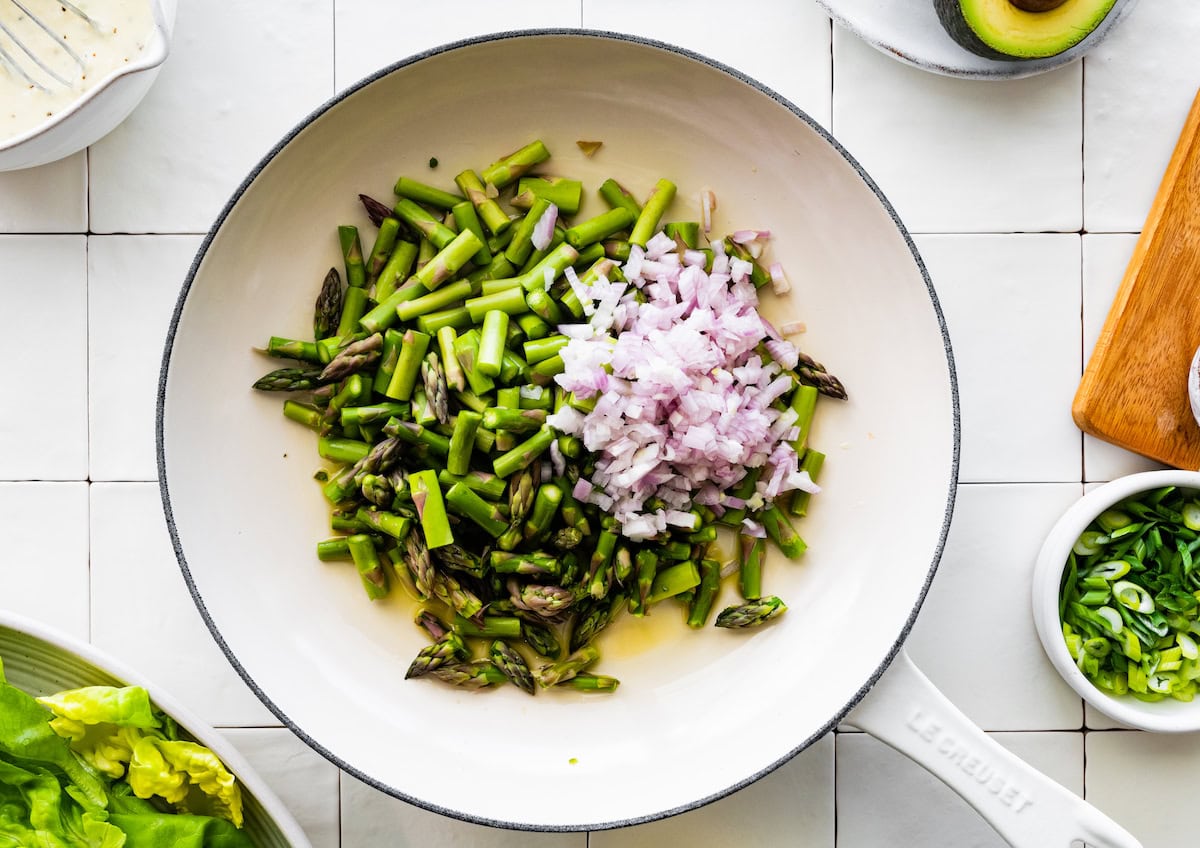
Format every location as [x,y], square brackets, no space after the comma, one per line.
[87,392]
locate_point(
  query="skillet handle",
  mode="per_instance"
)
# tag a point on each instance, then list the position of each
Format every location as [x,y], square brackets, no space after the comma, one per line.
[1027,808]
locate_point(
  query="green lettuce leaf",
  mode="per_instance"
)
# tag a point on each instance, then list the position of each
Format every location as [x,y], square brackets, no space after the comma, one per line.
[173,770]
[128,706]
[166,830]
[27,738]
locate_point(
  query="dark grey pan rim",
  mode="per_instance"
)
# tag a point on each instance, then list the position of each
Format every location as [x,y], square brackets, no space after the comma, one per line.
[164,488]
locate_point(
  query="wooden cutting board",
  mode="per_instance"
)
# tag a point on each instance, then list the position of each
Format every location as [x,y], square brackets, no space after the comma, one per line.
[1134,389]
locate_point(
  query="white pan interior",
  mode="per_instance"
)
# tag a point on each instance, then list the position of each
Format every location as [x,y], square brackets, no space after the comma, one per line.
[697,713]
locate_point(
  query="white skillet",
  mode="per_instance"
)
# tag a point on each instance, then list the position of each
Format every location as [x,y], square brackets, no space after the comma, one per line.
[698,714]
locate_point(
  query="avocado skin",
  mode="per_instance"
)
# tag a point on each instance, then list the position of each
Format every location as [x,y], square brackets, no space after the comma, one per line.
[950,14]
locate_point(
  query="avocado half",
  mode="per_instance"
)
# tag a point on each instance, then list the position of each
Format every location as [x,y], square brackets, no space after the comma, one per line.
[1007,29]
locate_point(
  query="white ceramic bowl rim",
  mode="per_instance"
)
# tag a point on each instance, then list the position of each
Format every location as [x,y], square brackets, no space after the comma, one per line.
[158,48]
[164,490]
[1169,715]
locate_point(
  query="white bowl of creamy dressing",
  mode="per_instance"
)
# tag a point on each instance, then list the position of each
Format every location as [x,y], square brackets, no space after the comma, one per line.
[55,105]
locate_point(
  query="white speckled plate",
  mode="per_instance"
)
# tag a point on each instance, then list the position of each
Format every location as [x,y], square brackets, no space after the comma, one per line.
[909,30]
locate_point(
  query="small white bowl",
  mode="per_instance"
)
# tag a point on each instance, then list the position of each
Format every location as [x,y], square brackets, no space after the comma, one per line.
[99,109]
[1166,716]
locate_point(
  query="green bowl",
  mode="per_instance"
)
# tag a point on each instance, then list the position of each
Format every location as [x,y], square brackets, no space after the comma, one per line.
[42,661]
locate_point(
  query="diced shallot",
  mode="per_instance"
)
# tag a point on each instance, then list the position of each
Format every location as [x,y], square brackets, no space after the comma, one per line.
[683,401]
[543,230]
[779,280]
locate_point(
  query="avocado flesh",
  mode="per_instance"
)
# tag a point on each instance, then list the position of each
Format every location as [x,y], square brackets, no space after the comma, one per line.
[999,29]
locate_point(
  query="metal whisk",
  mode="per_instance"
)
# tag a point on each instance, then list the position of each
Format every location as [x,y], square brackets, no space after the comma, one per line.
[19,60]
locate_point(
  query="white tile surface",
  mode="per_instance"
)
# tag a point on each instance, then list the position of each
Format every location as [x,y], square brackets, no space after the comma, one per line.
[982,587]
[962,155]
[791,55]
[1104,260]
[240,75]
[305,782]
[44,570]
[1138,87]
[1140,778]
[143,614]
[133,283]
[796,799]
[885,799]
[371,819]
[1012,306]
[955,156]
[49,199]
[43,297]
[371,35]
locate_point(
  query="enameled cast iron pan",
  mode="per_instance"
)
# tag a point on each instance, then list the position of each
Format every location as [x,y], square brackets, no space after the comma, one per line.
[698,714]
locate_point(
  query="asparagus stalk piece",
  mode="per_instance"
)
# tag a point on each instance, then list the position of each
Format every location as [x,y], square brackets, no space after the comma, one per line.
[489,627]
[813,373]
[413,345]
[282,348]
[554,673]
[510,168]
[398,266]
[750,570]
[467,219]
[546,601]
[521,246]
[585,682]
[423,193]
[478,674]
[706,593]
[419,564]
[468,504]
[431,509]
[436,391]
[616,196]
[430,228]
[448,649]
[449,260]
[812,462]
[452,593]
[455,379]
[779,528]
[652,211]
[752,613]
[370,569]
[599,228]
[523,454]
[541,638]
[512,665]
[288,380]
[673,580]
[376,211]
[537,564]
[492,342]
[327,312]
[493,217]
[564,193]
[356,272]
[460,559]
[353,357]
[381,251]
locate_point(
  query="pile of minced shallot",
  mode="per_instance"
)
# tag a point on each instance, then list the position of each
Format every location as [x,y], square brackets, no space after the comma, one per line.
[686,409]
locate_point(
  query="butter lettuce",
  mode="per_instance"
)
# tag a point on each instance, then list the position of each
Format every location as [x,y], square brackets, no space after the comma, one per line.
[73,765]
